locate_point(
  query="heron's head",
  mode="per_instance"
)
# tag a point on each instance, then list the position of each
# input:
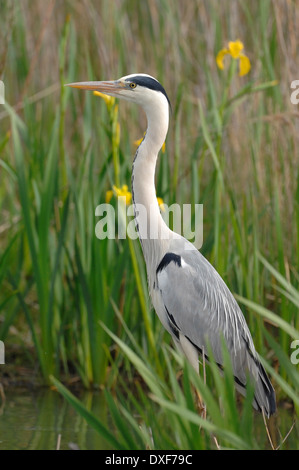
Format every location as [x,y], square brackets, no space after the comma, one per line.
[138,88]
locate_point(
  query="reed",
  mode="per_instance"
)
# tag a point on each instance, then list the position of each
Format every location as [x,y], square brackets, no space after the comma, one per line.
[232,146]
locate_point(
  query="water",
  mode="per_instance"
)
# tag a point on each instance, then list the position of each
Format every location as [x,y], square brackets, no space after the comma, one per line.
[35,419]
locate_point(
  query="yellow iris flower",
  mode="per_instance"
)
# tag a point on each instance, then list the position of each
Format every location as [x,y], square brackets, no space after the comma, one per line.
[235,49]
[124,192]
[119,192]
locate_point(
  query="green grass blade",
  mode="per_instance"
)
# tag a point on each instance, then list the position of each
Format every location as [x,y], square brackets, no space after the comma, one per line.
[235,440]
[270,316]
[281,279]
[120,422]
[87,415]
[144,370]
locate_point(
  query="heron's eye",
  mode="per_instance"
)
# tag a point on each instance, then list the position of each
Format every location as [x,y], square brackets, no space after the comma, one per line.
[133,85]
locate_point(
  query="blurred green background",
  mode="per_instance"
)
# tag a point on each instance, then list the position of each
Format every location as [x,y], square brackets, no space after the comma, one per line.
[232,146]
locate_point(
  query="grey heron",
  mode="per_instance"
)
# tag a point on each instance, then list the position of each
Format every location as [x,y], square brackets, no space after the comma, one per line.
[191,299]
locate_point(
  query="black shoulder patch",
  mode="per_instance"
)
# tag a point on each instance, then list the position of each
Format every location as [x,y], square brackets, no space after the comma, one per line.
[168,258]
[149,82]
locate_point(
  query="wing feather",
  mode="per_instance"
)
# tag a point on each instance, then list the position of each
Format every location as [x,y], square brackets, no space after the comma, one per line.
[204,310]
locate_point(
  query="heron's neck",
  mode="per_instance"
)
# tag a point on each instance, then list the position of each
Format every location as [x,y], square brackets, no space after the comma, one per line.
[152,230]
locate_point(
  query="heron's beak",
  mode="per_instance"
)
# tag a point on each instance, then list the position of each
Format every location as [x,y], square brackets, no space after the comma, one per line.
[112,88]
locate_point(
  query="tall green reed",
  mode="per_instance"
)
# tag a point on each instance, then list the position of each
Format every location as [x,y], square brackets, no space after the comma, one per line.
[176,422]
[68,154]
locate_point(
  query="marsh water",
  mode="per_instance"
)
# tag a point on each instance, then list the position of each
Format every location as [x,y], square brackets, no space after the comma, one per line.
[42,419]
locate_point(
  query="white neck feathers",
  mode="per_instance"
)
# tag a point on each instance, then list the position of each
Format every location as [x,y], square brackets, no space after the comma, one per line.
[153,232]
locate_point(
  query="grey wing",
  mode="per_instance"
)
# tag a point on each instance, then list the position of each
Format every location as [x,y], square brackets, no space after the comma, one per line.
[201,310]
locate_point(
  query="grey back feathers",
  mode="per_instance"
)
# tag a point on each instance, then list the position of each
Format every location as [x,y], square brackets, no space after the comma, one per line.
[200,307]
